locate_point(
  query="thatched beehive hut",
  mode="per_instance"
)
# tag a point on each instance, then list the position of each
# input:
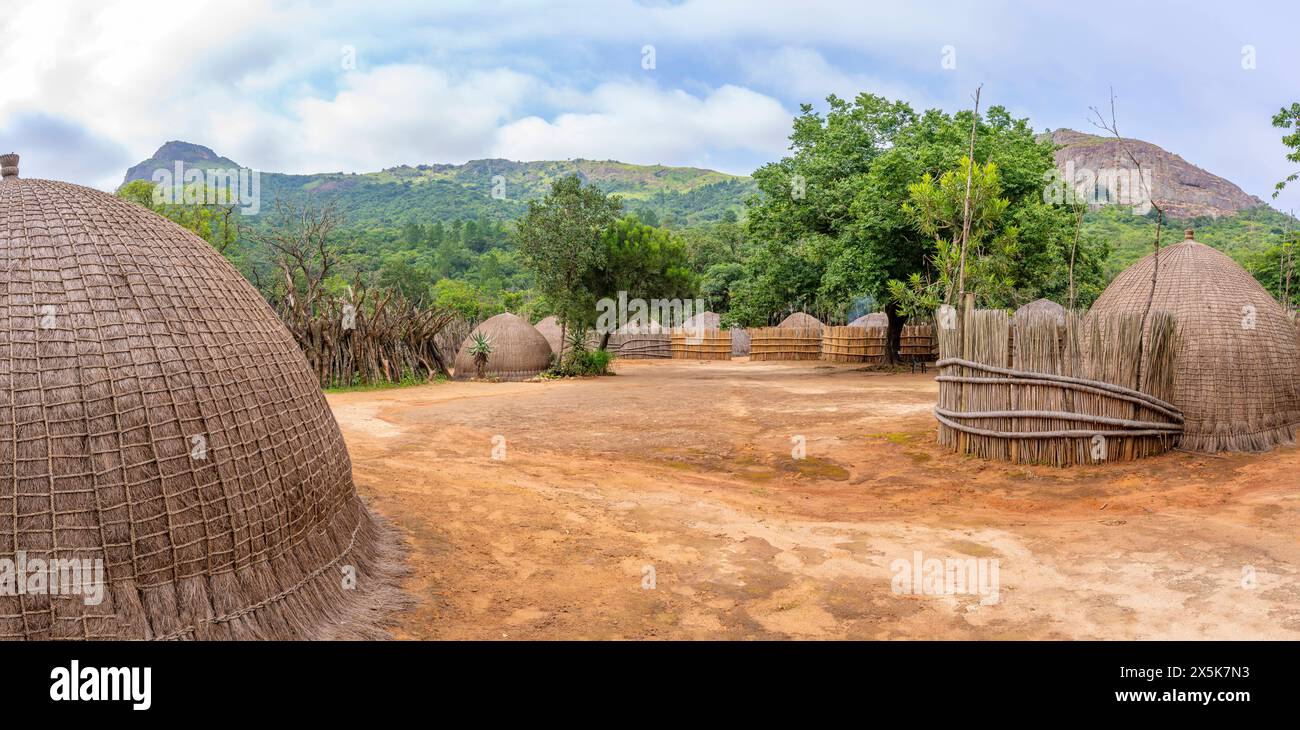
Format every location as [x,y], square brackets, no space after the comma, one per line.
[801,320]
[519,351]
[1046,306]
[1235,377]
[160,421]
[554,334]
[704,321]
[875,319]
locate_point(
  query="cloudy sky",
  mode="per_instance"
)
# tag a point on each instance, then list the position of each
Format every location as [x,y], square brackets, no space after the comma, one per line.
[88,89]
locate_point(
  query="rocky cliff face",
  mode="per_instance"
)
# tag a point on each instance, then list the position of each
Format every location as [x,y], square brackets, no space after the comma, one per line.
[1180,188]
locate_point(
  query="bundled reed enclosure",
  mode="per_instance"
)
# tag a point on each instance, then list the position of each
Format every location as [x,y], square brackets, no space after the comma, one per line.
[710,344]
[855,344]
[1063,394]
[160,424]
[739,342]
[917,345]
[785,343]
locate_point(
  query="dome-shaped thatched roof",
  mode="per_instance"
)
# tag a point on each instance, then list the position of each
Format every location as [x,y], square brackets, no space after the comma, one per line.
[703,320]
[875,319]
[519,351]
[1236,357]
[801,319]
[551,330]
[158,417]
[1044,306]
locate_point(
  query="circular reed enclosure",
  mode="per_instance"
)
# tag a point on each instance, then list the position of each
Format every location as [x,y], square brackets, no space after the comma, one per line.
[705,345]
[1061,394]
[157,419]
[855,344]
[1237,359]
[519,351]
[785,343]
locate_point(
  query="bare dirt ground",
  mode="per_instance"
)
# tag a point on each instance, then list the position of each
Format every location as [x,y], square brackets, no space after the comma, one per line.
[686,469]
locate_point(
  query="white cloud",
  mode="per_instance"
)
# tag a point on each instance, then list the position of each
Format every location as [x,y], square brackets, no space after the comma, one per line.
[643,124]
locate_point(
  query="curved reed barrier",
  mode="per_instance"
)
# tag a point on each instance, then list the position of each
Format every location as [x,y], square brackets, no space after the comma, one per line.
[649,346]
[1062,394]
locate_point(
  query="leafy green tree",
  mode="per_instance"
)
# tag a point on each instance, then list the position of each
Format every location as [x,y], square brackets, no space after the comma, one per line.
[1289,119]
[646,262]
[559,241]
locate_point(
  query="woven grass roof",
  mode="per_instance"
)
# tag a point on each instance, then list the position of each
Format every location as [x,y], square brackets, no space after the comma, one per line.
[551,330]
[801,319]
[158,417]
[519,351]
[703,320]
[875,319]
[1236,371]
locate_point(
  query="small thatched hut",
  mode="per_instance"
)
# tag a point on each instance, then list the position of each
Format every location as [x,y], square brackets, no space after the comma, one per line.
[875,319]
[519,351]
[159,420]
[801,320]
[1235,377]
[1046,306]
[704,321]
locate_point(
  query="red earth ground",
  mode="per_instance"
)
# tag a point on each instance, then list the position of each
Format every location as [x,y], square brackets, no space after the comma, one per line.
[684,472]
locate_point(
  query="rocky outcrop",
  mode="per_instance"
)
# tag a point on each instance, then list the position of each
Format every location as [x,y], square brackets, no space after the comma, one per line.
[1180,188]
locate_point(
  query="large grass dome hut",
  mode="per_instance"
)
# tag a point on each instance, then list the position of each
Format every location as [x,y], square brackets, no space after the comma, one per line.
[159,421]
[1236,367]
[801,319]
[519,351]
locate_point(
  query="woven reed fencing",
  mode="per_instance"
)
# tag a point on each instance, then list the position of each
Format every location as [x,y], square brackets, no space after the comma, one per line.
[705,345]
[1063,394]
[916,343]
[855,344]
[785,343]
[649,346]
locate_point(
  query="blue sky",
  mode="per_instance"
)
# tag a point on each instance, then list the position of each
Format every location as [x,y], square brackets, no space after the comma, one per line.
[88,89]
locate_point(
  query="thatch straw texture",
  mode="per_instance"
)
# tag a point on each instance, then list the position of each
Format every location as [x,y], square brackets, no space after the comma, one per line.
[157,416]
[1042,306]
[801,320]
[854,344]
[551,330]
[704,321]
[1236,360]
[701,345]
[785,343]
[739,342]
[875,319]
[519,351]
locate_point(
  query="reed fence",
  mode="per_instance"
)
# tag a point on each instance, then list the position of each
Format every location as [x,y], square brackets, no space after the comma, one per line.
[705,345]
[855,344]
[1057,394]
[785,343]
[649,346]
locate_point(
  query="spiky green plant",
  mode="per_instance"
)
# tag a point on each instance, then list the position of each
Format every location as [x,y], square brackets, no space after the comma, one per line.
[480,348]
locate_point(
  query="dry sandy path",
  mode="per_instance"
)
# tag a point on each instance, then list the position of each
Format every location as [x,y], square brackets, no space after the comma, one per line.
[685,469]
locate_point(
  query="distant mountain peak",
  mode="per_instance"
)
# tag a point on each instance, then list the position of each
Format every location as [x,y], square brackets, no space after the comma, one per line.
[187,153]
[1182,189]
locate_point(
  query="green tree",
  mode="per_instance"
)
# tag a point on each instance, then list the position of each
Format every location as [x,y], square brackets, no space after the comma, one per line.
[559,241]
[646,262]
[1289,119]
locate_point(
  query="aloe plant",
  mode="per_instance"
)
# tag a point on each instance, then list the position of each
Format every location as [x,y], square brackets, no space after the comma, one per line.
[480,348]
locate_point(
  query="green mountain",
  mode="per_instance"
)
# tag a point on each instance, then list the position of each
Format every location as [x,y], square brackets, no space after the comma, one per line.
[393,197]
